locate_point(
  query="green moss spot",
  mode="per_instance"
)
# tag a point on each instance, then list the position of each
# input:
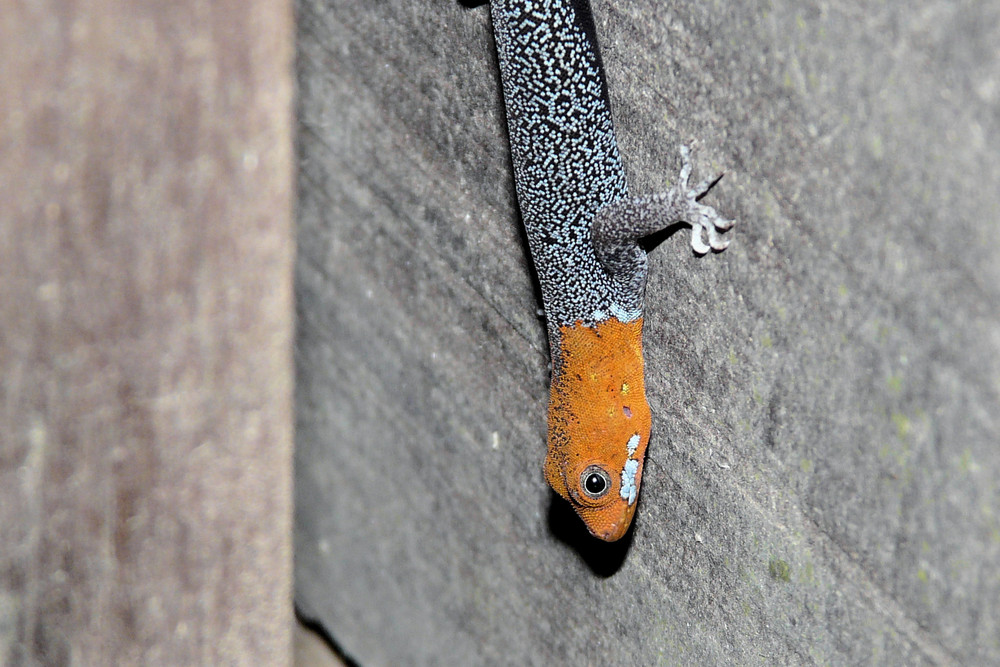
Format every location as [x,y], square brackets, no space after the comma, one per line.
[732,357]
[806,465]
[895,383]
[877,148]
[922,575]
[884,451]
[766,341]
[902,423]
[965,463]
[779,570]
[842,290]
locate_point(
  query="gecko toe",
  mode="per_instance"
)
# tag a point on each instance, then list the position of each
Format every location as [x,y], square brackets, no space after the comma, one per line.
[717,242]
[696,243]
[682,180]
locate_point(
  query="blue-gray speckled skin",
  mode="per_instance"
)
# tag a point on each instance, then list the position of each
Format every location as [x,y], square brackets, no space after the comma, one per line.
[566,161]
[583,227]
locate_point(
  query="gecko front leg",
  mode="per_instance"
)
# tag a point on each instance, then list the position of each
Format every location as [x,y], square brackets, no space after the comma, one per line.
[619,226]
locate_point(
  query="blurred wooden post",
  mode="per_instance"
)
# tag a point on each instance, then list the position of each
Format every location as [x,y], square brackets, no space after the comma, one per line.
[145,327]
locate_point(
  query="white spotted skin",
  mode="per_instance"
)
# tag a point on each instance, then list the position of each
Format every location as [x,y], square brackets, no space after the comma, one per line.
[630,490]
[566,160]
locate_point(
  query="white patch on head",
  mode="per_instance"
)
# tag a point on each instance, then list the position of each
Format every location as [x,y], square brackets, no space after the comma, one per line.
[629,489]
[599,315]
[632,444]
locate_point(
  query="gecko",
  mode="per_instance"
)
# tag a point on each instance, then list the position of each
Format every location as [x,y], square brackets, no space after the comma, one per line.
[583,232]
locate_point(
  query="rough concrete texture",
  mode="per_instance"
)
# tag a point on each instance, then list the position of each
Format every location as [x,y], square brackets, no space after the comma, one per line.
[145,332]
[822,483]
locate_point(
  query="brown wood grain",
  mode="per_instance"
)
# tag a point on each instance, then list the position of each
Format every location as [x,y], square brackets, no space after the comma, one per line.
[145,204]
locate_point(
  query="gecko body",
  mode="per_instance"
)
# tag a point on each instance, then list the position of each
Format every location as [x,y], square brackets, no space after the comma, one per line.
[583,230]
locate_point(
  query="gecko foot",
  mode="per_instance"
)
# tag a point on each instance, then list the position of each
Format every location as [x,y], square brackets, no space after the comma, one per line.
[701,218]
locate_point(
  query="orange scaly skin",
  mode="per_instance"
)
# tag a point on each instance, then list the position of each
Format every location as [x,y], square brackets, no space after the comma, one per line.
[597,403]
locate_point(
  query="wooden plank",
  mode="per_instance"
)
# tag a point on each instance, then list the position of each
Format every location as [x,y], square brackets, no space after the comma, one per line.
[145,268]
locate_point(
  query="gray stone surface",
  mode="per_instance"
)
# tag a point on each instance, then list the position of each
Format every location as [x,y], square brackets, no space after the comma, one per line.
[822,483]
[146,313]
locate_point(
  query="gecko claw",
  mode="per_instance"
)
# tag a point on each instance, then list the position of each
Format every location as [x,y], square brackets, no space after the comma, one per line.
[699,216]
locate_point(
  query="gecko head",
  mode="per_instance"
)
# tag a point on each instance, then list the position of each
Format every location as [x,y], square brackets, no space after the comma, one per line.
[603,491]
[599,424]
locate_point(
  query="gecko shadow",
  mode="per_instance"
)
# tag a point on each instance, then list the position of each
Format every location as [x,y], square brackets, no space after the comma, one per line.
[653,241]
[603,558]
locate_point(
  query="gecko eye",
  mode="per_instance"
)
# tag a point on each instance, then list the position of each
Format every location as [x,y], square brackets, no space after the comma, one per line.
[595,482]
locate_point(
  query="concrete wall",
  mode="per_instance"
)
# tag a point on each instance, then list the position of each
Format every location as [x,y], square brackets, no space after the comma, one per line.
[822,483]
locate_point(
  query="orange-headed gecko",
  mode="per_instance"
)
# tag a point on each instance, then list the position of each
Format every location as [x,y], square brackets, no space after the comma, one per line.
[583,230]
